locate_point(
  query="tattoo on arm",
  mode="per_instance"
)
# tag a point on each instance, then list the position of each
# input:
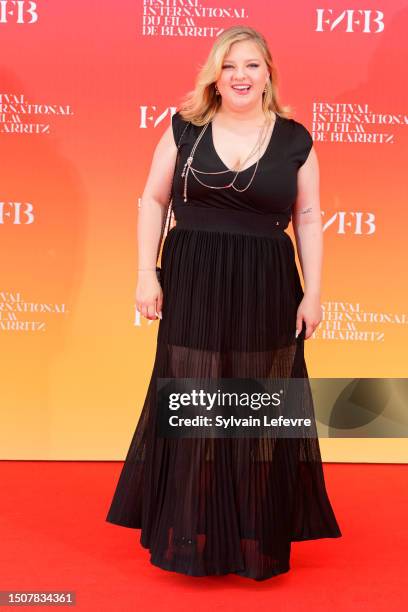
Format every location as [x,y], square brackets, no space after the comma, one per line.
[306,210]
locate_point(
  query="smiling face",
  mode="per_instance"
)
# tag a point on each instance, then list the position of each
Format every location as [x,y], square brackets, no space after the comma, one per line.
[244,75]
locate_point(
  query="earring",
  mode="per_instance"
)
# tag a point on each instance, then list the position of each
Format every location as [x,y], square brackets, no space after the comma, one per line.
[217,93]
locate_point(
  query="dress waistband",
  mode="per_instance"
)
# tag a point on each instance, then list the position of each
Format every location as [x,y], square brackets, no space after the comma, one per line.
[229,220]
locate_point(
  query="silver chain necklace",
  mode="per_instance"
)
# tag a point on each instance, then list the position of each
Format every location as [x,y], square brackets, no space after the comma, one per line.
[188,165]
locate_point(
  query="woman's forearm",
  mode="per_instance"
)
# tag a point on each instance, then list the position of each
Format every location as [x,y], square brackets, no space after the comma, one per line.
[309,242]
[149,224]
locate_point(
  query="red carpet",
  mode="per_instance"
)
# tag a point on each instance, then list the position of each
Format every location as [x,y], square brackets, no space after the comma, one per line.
[54,537]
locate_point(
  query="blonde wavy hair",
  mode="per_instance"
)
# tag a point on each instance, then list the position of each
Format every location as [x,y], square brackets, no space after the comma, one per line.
[200,104]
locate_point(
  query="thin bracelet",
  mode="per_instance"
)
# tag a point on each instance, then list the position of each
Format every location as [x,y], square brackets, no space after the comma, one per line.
[146,269]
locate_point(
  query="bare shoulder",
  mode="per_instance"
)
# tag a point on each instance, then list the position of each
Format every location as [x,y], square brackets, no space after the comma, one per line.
[166,144]
[158,183]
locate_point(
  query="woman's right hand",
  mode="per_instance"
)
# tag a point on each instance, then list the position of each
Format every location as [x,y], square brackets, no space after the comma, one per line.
[149,295]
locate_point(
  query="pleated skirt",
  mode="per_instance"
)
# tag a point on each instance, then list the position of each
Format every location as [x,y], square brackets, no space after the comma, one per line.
[209,506]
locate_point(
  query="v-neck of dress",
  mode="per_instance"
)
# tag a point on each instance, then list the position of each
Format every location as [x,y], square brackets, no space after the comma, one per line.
[268,146]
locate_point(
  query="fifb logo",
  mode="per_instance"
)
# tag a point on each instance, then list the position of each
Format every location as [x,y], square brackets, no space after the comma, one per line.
[16,213]
[148,116]
[18,11]
[350,20]
[358,223]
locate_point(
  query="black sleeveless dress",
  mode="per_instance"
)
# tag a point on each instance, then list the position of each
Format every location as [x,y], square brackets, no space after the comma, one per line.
[231,289]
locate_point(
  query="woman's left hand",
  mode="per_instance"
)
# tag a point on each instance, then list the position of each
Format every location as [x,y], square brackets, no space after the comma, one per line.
[309,311]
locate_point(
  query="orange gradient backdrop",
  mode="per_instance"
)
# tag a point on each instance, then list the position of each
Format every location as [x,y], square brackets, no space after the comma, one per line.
[86,91]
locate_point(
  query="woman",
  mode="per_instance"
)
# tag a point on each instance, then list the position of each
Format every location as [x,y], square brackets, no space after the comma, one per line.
[231,306]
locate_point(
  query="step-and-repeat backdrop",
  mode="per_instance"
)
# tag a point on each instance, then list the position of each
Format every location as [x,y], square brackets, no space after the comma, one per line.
[87,89]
